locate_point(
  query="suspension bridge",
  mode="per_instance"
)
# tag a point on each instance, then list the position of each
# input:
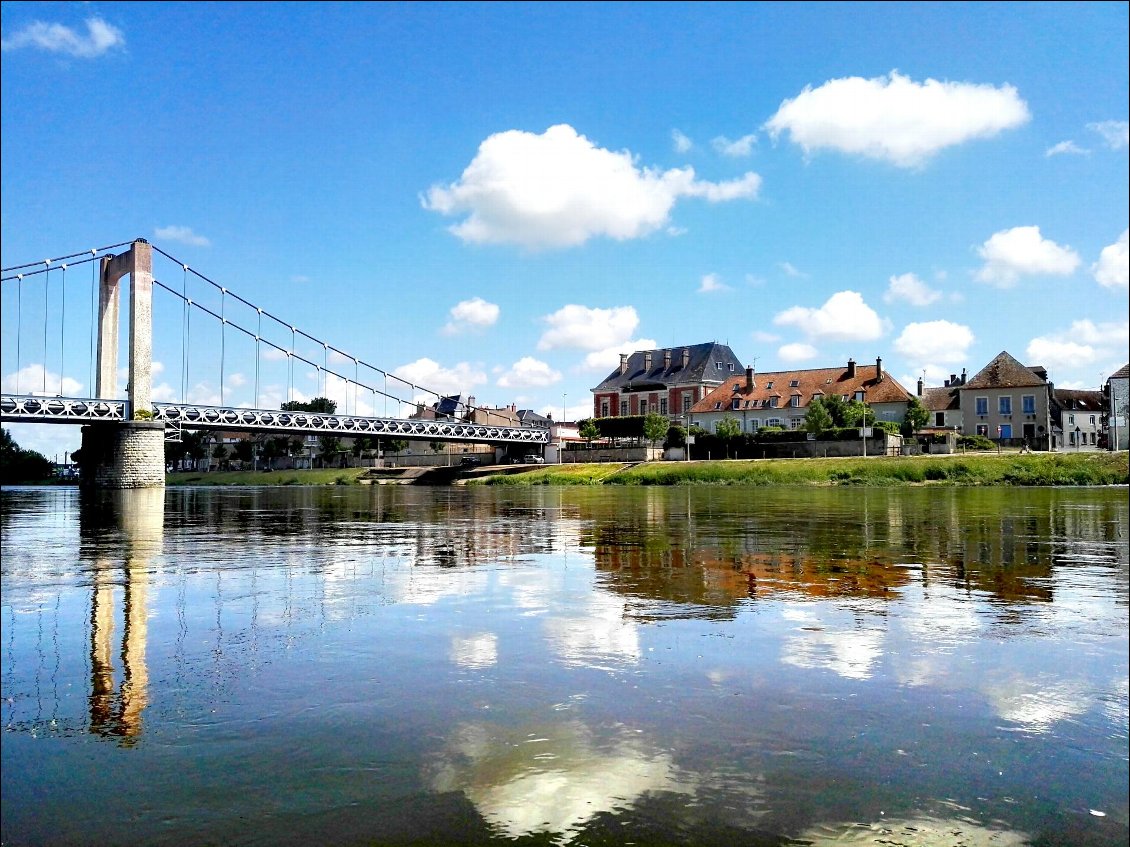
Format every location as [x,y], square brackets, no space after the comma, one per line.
[236,366]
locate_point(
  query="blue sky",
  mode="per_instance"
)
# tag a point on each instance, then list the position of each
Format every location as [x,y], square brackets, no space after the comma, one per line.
[498,199]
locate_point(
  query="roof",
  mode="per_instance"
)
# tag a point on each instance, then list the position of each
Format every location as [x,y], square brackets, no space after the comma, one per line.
[701,368]
[528,417]
[1075,400]
[941,399]
[1005,372]
[1122,373]
[809,383]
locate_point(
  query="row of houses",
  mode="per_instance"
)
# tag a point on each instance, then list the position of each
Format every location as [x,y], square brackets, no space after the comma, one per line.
[1009,402]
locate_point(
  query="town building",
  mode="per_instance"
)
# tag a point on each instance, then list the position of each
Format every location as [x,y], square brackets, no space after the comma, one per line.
[1078,415]
[781,398]
[1116,404]
[943,403]
[668,381]
[1009,402]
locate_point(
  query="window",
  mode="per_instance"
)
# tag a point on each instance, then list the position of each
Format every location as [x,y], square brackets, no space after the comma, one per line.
[1071,419]
[982,406]
[717,405]
[769,384]
[794,401]
[939,418]
[772,402]
[643,407]
[662,405]
[623,408]
[1028,401]
[794,383]
[688,400]
[1004,405]
[717,366]
[1092,420]
[737,403]
[858,397]
[983,429]
[731,367]
[773,422]
[604,408]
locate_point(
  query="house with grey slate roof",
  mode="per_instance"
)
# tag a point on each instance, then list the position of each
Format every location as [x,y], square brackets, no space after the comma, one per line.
[669,380]
[1116,405]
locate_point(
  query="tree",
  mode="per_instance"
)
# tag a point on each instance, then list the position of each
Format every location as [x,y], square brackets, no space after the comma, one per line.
[396,445]
[20,465]
[588,431]
[319,405]
[219,453]
[917,416]
[328,445]
[244,450]
[655,427]
[728,427]
[817,418]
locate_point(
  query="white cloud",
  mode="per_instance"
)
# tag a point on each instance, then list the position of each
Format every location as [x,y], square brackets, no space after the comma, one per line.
[711,283]
[529,372]
[934,342]
[790,270]
[558,189]
[34,379]
[582,328]
[1063,147]
[431,376]
[911,289]
[737,149]
[1022,251]
[1116,134]
[681,142]
[764,337]
[894,118]
[100,38]
[797,352]
[609,357]
[182,235]
[475,313]
[1083,343]
[1113,267]
[844,317]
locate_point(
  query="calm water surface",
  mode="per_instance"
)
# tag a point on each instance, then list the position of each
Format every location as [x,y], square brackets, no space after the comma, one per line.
[731,666]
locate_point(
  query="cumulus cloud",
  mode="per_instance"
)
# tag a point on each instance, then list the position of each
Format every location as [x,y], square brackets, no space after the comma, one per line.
[1022,251]
[182,235]
[681,142]
[934,342]
[1115,134]
[582,328]
[609,357]
[844,317]
[909,288]
[432,376]
[711,283]
[558,189]
[895,119]
[34,378]
[736,149]
[528,372]
[1066,147]
[475,313]
[797,352]
[1083,343]
[1113,267]
[99,38]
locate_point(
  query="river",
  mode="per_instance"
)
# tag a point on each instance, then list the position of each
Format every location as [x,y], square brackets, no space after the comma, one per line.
[477,665]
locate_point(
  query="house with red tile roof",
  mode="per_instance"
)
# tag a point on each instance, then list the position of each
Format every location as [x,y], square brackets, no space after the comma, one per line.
[781,398]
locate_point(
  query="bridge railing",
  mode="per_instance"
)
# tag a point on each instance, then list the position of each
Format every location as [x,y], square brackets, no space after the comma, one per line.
[69,410]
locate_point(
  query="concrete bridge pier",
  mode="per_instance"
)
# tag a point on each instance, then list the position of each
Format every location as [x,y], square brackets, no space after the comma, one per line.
[130,454]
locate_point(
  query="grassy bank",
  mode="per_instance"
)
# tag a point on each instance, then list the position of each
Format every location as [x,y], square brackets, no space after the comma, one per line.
[967,469]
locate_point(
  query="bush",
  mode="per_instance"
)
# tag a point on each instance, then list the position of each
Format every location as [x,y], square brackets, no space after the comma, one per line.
[976,442]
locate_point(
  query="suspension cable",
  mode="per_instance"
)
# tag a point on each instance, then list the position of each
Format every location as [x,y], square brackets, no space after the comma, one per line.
[19,325]
[46,309]
[258,333]
[93,308]
[64,258]
[184,335]
[62,326]
[223,337]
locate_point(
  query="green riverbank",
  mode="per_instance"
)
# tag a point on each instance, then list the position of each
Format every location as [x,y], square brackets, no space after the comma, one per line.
[962,469]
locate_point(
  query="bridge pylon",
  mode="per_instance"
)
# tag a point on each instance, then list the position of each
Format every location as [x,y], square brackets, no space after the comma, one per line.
[131,453]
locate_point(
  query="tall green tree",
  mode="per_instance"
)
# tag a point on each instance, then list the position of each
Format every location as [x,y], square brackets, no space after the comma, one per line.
[817,418]
[19,465]
[588,430]
[319,405]
[917,416]
[655,427]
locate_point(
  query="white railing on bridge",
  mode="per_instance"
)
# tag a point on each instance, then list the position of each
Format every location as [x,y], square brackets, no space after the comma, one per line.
[179,416]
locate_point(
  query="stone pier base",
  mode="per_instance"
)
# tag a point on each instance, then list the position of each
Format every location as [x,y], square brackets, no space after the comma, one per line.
[123,455]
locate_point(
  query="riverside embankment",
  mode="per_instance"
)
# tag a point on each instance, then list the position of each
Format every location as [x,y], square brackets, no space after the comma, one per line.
[1008,469]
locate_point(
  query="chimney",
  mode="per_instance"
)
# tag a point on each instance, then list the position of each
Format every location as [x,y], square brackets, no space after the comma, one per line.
[686,357]
[953,380]
[749,379]
[963,376]
[878,368]
[647,362]
[920,386]
[947,383]
[471,402]
[623,363]
[666,360]
[851,369]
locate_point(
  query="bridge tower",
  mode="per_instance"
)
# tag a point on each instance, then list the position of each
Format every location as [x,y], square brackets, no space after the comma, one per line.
[128,454]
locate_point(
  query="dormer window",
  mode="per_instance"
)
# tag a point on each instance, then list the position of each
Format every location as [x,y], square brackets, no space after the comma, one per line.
[794,383]
[737,388]
[731,367]
[717,366]
[718,405]
[769,384]
[737,403]
[859,395]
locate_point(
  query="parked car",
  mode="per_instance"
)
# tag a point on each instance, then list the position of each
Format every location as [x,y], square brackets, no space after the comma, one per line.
[470,461]
[534,459]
